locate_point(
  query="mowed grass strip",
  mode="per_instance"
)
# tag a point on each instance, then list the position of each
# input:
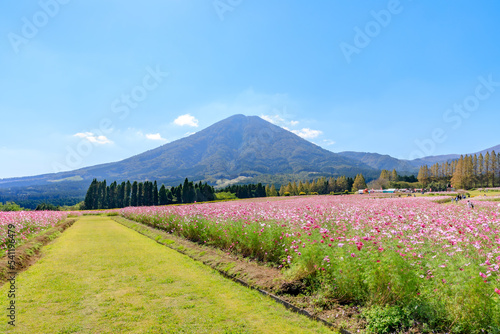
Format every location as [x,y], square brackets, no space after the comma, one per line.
[101,277]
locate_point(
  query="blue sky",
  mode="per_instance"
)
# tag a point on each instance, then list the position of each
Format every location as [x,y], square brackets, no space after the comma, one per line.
[88,82]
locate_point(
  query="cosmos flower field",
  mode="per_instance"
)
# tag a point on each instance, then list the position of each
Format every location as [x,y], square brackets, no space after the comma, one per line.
[440,262]
[27,224]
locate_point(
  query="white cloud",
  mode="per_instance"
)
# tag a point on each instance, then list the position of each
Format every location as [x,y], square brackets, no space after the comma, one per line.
[187,134]
[307,133]
[275,119]
[155,136]
[278,120]
[91,137]
[186,119]
[328,142]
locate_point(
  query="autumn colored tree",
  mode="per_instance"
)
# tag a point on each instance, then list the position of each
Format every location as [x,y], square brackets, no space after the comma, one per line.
[394,176]
[359,183]
[424,175]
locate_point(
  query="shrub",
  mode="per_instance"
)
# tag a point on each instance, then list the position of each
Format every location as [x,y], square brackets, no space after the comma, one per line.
[387,319]
[225,196]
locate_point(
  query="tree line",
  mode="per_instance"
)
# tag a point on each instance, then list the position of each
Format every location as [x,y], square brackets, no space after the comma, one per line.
[320,186]
[100,195]
[389,179]
[119,195]
[246,190]
[469,171]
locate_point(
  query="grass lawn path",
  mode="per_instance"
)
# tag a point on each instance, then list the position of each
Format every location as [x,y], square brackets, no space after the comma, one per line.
[101,277]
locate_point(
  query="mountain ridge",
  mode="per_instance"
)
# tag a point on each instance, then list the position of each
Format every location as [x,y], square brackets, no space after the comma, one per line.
[385,161]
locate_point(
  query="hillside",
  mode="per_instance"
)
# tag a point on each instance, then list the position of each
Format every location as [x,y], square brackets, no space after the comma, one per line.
[379,161]
[239,146]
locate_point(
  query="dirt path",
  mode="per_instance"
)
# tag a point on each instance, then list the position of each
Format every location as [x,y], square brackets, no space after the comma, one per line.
[101,277]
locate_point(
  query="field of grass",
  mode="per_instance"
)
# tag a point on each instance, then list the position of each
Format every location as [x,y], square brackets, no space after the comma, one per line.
[101,277]
[481,193]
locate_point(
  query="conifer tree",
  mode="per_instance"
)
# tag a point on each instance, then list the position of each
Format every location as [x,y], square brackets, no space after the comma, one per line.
[342,184]
[162,195]
[102,200]
[140,194]
[155,194]
[111,196]
[128,191]
[301,188]
[260,191]
[480,169]
[282,190]
[493,167]
[475,172]
[394,176]
[121,194]
[384,175]
[498,166]
[457,180]
[134,200]
[487,168]
[273,191]
[90,197]
[359,183]
[424,175]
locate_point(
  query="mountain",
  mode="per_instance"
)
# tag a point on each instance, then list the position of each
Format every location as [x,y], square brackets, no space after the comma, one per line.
[237,147]
[494,148]
[380,162]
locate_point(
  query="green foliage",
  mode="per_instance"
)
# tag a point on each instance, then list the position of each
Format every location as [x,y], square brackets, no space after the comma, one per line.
[76,207]
[387,319]
[359,183]
[100,196]
[225,196]
[10,206]
[248,190]
[47,207]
